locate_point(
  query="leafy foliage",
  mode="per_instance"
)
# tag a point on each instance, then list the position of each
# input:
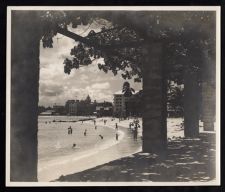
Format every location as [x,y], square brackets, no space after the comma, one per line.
[183,34]
[125,59]
[176,97]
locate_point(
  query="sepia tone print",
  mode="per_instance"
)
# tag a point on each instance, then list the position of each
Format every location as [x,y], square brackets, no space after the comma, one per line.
[119,96]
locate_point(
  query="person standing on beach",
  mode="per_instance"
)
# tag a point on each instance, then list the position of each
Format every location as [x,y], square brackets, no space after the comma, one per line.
[95,127]
[116,126]
[117,136]
[85,132]
[135,132]
[136,126]
[94,122]
[69,130]
[129,125]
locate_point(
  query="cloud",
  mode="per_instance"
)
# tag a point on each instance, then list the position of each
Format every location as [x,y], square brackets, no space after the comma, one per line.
[84,77]
[57,87]
[50,89]
[105,85]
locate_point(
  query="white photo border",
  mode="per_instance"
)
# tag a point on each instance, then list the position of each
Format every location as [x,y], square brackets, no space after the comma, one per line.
[216,182]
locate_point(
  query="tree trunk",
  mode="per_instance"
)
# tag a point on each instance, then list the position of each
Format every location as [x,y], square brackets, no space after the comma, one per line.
[191,104]
[154,98]
[24,96]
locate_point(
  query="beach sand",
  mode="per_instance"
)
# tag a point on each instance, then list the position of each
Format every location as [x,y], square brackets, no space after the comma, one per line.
[58,158]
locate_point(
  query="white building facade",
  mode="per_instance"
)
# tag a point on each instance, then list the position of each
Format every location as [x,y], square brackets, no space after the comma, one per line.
[119,103]
[71,107]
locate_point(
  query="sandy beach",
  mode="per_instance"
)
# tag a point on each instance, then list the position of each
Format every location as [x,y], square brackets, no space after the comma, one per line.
[57,157]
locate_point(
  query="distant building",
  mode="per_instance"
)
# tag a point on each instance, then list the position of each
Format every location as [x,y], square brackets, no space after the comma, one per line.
[47,113]
[123,106]
[71,107]
[104,109]
[119,104]
[58,110]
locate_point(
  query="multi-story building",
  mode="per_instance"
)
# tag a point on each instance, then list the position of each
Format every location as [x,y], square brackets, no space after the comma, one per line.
[58,109]
[122,103]
[104,109]
[71,107]
[119,104]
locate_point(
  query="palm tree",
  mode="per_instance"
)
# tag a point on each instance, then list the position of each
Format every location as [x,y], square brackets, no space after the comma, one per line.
[128,92]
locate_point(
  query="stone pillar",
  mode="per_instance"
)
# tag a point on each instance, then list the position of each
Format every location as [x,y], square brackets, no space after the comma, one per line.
[191,104]
[24,95]
[208,92]
[208,106]
[154,101]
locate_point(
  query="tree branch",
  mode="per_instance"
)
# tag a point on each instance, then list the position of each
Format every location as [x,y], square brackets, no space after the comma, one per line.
[95,45]
[108,49]
[76,37]
[107,30]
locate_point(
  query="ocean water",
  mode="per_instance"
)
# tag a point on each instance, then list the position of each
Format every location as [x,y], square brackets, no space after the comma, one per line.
[56,155]
[54,141]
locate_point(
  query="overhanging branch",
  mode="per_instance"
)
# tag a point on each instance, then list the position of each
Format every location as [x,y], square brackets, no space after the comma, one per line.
[108,49]
[95,45]
[76,37]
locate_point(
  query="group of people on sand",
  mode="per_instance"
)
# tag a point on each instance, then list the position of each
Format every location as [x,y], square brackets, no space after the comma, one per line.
[134,127]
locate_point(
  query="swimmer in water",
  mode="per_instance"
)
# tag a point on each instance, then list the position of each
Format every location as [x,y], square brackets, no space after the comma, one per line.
[101,136]
[74,145]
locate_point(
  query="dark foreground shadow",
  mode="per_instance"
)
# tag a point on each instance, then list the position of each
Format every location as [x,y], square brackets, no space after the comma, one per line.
[186,160]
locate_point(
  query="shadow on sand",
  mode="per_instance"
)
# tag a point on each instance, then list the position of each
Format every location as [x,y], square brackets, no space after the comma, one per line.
[186,160]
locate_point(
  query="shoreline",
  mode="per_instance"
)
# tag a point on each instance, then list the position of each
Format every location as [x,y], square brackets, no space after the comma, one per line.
[74,121]
[186,161]
[84,160]
[92,158]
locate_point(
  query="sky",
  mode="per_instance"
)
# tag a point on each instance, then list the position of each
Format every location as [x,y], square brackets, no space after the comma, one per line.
[56,87]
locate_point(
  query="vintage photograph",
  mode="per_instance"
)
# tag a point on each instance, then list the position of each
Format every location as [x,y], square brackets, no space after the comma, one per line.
[113,95]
